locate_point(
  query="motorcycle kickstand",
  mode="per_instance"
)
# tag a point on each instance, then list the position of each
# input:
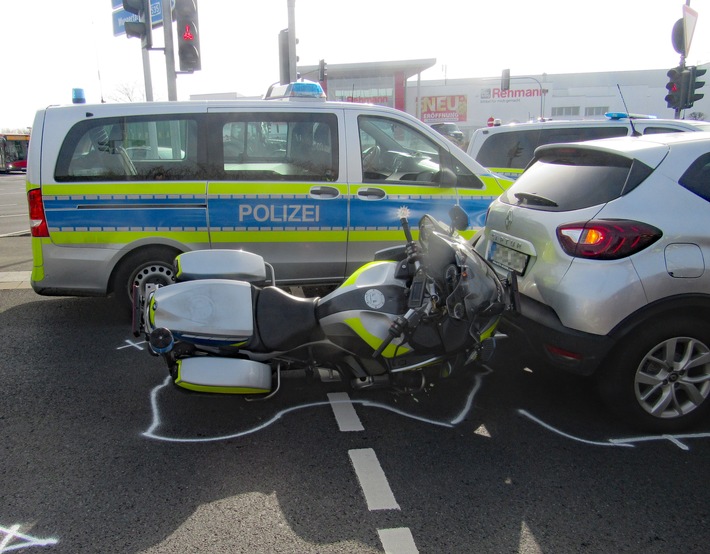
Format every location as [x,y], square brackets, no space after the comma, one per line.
[272,393]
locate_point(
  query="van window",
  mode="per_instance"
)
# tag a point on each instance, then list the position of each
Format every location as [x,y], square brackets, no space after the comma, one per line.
[130,149]
[659,130]
[279,146]
[515,149]
[393,151]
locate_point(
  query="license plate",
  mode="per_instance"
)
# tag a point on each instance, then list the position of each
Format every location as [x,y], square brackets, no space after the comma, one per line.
[507,258]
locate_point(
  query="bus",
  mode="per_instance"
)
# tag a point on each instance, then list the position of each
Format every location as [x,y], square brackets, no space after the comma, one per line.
[13,152]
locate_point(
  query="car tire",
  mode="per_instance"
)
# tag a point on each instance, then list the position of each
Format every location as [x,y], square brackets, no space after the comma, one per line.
[659,378]
[149,265]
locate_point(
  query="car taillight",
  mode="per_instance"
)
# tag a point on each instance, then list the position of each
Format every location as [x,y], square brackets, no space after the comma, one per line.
[606,239]
[38,223]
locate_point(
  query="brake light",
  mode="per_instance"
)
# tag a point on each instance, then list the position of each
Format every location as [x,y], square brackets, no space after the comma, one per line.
[606,239]
[38,222]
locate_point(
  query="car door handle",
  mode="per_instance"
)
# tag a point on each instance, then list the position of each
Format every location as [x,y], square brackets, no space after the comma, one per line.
[325,192]
[371,193]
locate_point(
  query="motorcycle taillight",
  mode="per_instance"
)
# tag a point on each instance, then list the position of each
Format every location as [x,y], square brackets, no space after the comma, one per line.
[606,239]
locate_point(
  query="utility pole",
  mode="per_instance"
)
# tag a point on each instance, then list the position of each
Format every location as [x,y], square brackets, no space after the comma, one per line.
[292,57]
[169,50]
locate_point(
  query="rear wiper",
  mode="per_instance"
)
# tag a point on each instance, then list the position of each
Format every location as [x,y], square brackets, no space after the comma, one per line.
[531,198]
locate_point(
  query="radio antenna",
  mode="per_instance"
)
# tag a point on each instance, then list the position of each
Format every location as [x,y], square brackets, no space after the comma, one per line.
[634,132]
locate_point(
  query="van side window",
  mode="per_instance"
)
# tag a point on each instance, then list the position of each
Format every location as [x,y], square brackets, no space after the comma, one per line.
[392,151]
[659,130]
[279,147]
[129,149]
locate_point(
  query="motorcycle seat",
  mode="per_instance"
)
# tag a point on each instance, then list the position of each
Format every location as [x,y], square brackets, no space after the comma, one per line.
[285,321]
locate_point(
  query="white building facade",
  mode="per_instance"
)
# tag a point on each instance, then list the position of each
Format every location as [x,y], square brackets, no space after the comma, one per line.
[472,103]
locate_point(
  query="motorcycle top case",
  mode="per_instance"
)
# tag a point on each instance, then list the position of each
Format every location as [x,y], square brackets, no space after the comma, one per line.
[214,310]
[237,265]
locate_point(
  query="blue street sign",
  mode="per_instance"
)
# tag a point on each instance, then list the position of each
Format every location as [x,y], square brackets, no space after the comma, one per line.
[120,16]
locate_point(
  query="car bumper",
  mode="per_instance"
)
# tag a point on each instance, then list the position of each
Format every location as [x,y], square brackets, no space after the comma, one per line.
[551,343]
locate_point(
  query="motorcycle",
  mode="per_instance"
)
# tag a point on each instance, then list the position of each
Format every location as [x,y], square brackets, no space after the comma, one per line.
[429,306]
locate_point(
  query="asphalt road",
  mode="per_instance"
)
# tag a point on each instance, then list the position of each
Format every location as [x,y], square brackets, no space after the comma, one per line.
[98,453]
[13,205]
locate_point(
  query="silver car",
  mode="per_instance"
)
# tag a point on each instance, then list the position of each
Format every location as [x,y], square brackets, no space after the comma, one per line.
[611,243]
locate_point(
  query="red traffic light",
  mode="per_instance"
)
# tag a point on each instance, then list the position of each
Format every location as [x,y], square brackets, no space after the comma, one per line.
[188,35]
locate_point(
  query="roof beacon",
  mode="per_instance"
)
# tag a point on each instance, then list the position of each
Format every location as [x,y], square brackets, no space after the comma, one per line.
[296,91]
[616,116]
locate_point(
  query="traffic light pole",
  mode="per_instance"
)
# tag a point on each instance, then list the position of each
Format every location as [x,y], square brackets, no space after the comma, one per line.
[169,50]
[147,78]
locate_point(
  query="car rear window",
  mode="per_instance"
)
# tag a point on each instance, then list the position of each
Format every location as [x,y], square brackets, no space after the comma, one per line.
[567,178]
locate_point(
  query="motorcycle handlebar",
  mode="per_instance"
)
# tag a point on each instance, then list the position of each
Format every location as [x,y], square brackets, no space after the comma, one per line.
[397,328]
[405,227]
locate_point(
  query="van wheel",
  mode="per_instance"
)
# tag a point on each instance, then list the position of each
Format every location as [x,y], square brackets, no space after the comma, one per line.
[660,378]
[151,265]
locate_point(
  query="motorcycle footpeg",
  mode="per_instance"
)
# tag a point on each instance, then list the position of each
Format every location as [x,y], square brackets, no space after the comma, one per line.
[371,382]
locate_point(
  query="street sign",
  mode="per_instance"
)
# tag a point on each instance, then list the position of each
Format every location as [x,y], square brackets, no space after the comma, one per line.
[690,18]
[120,16]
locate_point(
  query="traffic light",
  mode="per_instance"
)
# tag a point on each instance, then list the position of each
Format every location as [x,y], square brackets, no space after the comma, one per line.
[188,35]
[505,80]
[694,84]
[322,71]
[142,28]
[676,94]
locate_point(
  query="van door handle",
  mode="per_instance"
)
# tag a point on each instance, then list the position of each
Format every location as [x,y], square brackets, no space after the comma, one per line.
[371,193]
[325,192]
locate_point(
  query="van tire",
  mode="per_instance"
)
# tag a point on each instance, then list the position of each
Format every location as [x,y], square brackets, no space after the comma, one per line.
[153,264]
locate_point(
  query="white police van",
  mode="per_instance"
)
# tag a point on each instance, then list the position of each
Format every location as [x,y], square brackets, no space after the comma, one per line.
[508,149]
[116,191]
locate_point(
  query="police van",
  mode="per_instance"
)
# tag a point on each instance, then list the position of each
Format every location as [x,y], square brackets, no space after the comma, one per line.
[507,149]
[116,191]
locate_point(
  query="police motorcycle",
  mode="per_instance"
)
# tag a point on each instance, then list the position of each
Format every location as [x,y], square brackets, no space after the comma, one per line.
[428,307]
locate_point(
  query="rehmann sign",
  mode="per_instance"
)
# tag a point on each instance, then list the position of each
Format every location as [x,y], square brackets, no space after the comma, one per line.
[492,95]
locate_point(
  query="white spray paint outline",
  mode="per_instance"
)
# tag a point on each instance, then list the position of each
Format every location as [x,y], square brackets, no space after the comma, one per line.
[13,533]
[151,432]
[627,442]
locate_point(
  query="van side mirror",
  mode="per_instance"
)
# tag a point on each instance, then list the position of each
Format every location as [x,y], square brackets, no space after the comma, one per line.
[446,178]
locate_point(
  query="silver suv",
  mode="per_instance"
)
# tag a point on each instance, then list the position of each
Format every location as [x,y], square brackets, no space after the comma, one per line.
[611,244]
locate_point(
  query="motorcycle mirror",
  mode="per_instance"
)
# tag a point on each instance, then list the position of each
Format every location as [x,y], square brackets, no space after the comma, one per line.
[459,218]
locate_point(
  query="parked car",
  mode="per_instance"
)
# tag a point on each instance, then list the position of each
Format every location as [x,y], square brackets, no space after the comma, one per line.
[611,244]
[452,132]
[508,149]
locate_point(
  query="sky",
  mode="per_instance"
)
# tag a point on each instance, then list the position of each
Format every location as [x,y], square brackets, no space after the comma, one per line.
[52,47]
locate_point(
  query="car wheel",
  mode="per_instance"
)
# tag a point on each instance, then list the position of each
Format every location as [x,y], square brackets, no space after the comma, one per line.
[659,379]
[151,265]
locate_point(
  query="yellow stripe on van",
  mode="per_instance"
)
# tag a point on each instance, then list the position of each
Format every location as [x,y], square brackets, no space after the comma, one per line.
[101,236]
[266,189]
[166,188]
[261,235]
